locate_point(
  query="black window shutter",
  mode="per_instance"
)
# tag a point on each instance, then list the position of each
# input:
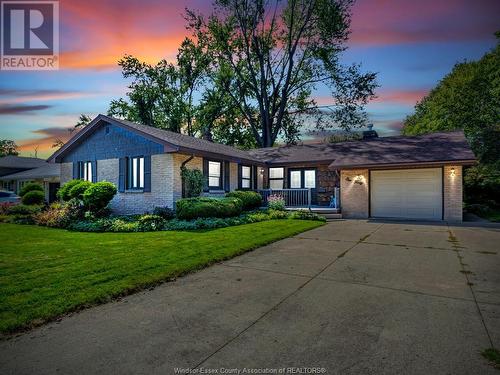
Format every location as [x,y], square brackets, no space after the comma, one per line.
[254,177]
[76,169]
[147,173]
[205,174]
[227,179]
[122,173]
[239,176]
[94,171]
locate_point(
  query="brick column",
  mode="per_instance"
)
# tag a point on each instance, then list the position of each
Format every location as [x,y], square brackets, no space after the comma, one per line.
[354,193]
[453,191]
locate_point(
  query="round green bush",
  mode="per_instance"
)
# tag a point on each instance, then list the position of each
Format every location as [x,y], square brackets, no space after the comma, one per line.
[98,195]
[34,197]
[193,208]
[32,186]
[76,192]
[63,192]
[250,199]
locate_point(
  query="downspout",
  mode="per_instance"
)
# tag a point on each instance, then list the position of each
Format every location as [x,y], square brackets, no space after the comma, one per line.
[183,165]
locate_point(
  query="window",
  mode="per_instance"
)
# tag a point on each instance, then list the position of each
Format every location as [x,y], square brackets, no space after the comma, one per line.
[302,179]
[214,174]
[295,180]
[135,173]
[87,171]
[310,179]
[246,177]
[276,178]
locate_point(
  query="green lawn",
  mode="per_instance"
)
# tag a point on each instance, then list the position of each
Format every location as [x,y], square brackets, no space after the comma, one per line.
[492,215]
[48,272]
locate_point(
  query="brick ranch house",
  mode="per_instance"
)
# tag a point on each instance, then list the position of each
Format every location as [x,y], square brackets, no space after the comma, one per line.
[388,177]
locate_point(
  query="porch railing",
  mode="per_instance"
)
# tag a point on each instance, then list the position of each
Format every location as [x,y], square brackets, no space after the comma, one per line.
[292,197]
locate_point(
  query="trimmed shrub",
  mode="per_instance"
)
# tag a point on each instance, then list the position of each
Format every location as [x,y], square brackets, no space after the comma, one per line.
[164,212]
[149,223]
[98,195]
[63,192]
[76,192]
[32,186]
[22,209]
[33,197]
[193,208]
[276,202]
[278,214]
[250,199]
[120,225]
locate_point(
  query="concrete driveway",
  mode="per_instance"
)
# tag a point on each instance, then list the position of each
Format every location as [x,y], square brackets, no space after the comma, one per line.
[351,297]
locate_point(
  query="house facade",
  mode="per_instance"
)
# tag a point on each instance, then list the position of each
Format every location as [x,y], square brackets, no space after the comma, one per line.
[394,177]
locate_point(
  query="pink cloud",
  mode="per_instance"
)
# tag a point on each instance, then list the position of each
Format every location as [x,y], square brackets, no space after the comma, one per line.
[408,21]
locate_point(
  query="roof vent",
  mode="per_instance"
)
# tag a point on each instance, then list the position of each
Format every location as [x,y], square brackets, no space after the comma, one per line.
[370,133]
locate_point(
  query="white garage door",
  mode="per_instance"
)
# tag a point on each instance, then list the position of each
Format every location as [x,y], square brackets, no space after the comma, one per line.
[407,193]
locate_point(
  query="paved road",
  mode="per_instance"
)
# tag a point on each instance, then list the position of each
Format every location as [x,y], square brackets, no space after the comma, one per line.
[352,297]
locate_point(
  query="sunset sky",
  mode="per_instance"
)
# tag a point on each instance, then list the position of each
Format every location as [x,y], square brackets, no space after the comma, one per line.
[411,44]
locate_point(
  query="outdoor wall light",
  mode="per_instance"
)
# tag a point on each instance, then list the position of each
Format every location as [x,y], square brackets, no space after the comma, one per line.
[452,172]
[261,171]
[358,179]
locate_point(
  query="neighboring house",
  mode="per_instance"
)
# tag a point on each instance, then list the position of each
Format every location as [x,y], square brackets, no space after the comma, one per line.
[16,171]
[48,175]
[391,177]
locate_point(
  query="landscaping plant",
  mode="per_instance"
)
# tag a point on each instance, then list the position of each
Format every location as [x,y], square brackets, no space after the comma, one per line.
[193,181]
[63,192]
[192,208]
[33,197]
[276,202]
[250,199]
[32,186]
[98,195]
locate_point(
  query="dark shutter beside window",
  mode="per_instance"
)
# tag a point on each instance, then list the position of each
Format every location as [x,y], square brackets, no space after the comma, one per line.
[205,174]
[227,178]
[147,173]
[94,171]
[122,174]
[76,169]
[239,176]
[254,177]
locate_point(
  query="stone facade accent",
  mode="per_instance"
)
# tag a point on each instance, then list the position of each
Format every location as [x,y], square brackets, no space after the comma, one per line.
[453,193]
[354,193]
[66,172]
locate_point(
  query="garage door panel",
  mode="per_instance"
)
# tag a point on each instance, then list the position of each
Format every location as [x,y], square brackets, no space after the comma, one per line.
[411,193]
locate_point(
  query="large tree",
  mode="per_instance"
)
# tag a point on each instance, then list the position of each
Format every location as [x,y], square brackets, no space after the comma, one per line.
[468,98]
[276,54]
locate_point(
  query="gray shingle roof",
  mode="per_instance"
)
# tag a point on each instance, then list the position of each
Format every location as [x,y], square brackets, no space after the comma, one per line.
[20,162]
[399,150]
[47,170]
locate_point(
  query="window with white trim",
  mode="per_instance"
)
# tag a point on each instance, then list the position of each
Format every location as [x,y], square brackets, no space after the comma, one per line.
[276,178]
[214,175]
[85,170]
[246,177]
[135,173]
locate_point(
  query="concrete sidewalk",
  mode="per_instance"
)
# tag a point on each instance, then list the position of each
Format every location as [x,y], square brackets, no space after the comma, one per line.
[351,297]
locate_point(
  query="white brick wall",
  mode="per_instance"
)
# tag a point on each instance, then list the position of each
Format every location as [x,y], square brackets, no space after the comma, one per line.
[233,176]
[162,181]
[453,191]
[66,172]
[354,196]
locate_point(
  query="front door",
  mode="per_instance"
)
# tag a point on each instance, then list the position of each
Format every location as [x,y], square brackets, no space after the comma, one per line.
[304,178]
[53,188]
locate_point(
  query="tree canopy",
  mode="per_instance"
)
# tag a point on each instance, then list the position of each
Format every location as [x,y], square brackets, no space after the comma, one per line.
[8,147]
[247,75]
[468,98]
